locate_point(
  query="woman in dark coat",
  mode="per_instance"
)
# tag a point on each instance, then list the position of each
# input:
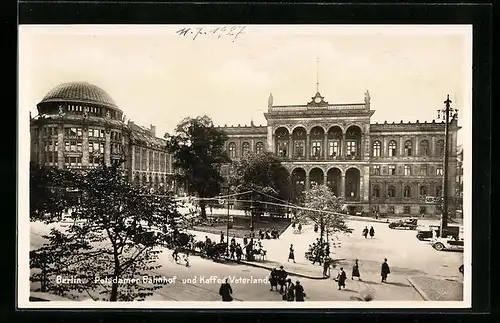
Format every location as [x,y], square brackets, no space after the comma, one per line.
[225,291]
[372,232]
[385,271]
[291,255]
[355,270]
[341,278]
[299,292]
[289,291]
[273,279]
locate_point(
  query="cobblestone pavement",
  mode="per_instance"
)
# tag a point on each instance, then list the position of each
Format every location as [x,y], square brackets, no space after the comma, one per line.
[435,289]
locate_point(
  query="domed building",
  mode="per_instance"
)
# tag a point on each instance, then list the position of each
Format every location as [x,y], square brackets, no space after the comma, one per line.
[78,122]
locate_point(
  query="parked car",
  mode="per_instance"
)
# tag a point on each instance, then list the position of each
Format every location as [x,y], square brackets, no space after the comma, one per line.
[448,243]
[426,232]
[405,224]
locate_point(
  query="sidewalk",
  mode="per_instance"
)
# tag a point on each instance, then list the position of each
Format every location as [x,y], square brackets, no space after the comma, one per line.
[436,289]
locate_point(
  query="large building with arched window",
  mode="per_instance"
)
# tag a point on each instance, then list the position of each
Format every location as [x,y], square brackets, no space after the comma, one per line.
[78,122]
[392,168]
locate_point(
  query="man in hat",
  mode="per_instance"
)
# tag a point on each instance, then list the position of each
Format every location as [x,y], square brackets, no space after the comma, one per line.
[299,292]
[282,274]
[341,278]
[385,271]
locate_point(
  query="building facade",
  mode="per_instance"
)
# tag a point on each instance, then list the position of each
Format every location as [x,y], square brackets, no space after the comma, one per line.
[79,122]
[392,168]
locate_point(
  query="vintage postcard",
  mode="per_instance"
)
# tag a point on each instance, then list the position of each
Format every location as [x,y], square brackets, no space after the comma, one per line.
[245,166]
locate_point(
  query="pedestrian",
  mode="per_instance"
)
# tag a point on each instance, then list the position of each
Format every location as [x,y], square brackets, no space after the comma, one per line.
[221,237]
[186,259]
[282,278]
[365,232]
[341,278]
[245,241]
[299,292]
[232,250]
[291,254]
[355,270]
[239,252]
[326,267]
[211,213]
[293,225]
[226,291]
[385,271]
[300,227]
[207,240]
[273,279]
[289,294]
[372,232]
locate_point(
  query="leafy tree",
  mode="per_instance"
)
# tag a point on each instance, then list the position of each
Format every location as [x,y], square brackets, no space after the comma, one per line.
[322,207]
[114,236]
[266,177]
[198,151]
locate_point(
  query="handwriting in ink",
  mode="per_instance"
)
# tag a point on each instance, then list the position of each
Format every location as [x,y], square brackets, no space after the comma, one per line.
[219,32]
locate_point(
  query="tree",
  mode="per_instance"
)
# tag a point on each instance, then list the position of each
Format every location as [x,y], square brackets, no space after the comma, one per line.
[266,177]
[322,208]
[111,243]
[198,151]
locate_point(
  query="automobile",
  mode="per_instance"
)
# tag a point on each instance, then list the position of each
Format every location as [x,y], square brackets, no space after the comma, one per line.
[405,224]
[425,233]
[448,243]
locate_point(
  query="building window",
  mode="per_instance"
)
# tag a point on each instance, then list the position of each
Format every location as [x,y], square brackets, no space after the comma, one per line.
[439,191]
[440,147]
[137,158]
[376,191]
[151,161]
[406,209]
[391,191]
[162,163]
[439,170]
[79,147]
[424,148]
[407,192]
[376,170]
[299,149]
[422,210]
[333,148]
[351,148]
[245,149]
[392,148]
[407,170]
[101,148]
[259,147]
[423,170]
[423,191]
[232,150]
[377,147]
[316,148]
[392,169]
[408,148]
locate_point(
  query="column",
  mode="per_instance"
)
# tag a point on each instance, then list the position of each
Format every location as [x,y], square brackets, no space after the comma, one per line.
[384,192]
[343,150]
[417,146]
[107,147]
[252,145]
[85,147]
[325,178]
[366,183]
[432,148]
[307,184]
[308,153]
[325,148]
[401,146]
[290,145]
[132,160]
[342,186]
[60,146]
[385,148]
[270,139]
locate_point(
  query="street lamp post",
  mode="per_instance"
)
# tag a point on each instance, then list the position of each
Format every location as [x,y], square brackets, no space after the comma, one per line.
[446,114]
[251,215]
[228,217]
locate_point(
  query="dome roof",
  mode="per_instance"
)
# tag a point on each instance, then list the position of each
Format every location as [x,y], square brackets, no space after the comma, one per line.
[81,92]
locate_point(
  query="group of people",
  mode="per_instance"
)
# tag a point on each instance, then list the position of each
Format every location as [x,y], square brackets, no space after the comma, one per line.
[297,228]
[290,292]
[342,276]
[366,232]
[319,251]
[269,234]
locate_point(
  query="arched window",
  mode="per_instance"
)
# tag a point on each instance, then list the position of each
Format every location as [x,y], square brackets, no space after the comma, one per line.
[259,147]
[424,148]
[245,148]
[440,148]
[376,191]
[392,148]
[407,170]
[407,192]
[423,191]
[439,191]
[408,148]
[232,150]
[391,191]
[377,147]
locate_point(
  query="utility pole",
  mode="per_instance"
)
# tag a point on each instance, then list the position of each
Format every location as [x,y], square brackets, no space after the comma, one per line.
[251,214]
[447,113]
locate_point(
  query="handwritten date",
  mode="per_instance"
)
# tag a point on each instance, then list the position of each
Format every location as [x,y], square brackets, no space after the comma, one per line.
[218,32]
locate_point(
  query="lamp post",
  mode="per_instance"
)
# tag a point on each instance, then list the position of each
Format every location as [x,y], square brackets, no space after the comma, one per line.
[251,214]
[228,217]
[446,114]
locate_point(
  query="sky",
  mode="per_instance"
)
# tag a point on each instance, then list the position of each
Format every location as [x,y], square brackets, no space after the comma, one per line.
[158,76]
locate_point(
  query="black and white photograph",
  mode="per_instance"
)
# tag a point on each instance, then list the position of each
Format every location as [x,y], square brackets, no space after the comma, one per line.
[245,166]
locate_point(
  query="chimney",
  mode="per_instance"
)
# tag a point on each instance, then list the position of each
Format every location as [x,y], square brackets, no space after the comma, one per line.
[153,130]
